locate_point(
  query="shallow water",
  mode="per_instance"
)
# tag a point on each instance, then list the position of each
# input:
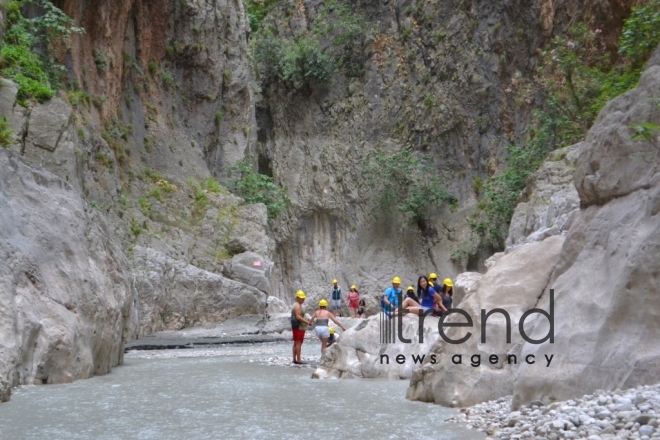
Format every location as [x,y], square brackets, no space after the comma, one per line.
[224,392]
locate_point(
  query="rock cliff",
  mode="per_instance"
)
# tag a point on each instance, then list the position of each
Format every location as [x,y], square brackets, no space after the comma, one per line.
[66,289]
[604,276]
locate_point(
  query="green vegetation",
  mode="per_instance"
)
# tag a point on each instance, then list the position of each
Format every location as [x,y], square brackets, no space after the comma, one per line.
[5,133]
[405,183]
[257,11]
[577,78]
[298,61]
[153,68]
[161,189]
[136,228]
[257,188]
[100,60]
[116,135]
[104,160]
[31,46]
[145,206]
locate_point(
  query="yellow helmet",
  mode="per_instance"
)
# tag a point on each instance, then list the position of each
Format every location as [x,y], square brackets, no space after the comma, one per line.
[410,288]
[334,281]
[301,294]
[433,276]
[323,303]
[332,330]
[353,287]
[447,282]
[396,280]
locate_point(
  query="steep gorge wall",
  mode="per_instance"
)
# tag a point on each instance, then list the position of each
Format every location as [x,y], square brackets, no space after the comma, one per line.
[438,78]
[66,288]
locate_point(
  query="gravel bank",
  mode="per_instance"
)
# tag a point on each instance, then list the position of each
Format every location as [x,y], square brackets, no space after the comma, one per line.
[628,414]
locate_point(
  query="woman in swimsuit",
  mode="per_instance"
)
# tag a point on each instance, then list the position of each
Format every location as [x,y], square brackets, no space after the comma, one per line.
[322,318]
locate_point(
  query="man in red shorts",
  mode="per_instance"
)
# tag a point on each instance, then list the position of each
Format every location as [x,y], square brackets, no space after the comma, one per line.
[298,326]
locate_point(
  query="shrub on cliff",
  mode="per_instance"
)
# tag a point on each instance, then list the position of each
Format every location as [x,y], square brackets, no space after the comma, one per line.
[403,181]
[257,188]
[576,79]
[31,45]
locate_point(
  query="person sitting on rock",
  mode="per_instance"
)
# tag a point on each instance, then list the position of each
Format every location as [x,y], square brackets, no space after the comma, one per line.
[298,326]
[410,293]
[446,293]
[353,300]
[427,295]
[390,299]
[361,306]
[335,298]
[433,281]
[322,318]
[332,339]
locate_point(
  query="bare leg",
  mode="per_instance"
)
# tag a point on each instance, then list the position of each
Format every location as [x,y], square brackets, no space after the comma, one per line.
[410,304]
[294,350]
[324,344]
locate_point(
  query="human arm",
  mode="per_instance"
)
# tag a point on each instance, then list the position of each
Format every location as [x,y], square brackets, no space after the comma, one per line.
[438,300]
[299,317]
[337,322]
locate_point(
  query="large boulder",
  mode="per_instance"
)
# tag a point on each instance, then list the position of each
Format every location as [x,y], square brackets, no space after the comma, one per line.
[607,281]
[464,285]
[174,295]
[250,268]
[361,353]
[66,293]
[514,284]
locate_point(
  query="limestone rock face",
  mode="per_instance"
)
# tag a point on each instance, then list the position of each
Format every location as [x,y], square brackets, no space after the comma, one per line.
[174,295]
[514,284]
[66,293]
[549,202]
[606,281]
[464,285]
[359,349]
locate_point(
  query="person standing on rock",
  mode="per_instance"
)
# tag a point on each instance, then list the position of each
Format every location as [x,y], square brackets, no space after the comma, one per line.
[353,300]
[322,318]
[390,300]
[298,326]
[335,298]
[360,310]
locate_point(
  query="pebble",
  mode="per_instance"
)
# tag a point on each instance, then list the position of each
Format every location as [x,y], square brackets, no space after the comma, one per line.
[618,414]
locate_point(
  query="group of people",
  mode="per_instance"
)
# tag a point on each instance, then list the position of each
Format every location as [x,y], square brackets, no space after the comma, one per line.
[355,304]
[300,323]
[430,297]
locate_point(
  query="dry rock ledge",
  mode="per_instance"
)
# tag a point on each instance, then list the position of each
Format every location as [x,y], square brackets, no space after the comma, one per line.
[631,413]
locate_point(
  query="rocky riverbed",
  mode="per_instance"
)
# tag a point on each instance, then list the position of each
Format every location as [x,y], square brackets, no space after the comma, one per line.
[628,414]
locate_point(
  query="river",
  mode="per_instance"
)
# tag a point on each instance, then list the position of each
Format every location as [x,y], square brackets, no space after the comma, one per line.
[220,393]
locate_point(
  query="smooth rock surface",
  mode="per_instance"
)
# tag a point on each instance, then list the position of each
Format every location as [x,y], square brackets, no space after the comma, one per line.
[66,293]
[359,351]
[514,284]
[175,295]
[606,281]
[250,268]
[549,202]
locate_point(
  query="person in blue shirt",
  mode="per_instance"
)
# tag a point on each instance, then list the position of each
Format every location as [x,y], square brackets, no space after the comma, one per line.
[390,300]
[429,298]
[335,298]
